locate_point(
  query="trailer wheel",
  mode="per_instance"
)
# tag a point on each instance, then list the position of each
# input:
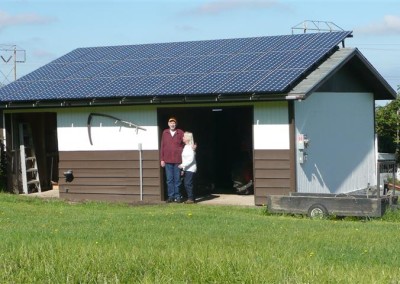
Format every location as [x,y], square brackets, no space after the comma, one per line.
[317,211]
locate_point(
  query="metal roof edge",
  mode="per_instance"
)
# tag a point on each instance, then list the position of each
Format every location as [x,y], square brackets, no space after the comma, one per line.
[145,100]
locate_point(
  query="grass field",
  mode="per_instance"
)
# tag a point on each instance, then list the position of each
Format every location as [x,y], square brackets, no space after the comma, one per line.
[51,241]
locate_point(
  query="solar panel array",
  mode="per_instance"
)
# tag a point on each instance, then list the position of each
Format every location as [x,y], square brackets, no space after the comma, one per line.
[260,65]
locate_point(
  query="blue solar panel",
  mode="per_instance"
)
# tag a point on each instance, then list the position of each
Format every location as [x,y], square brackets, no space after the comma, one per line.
[58,89]
[87,87]
[208,47]
[239,62]
[302,58]
[43,72]
[177,49]
[115,52]
[156,50]
[121,52]
[243,82]
[32,91]
[296,42]
[277,80]
[208,63]
[149,66]
[92,69]
[244,65]
[264,44]
[65,71]
[210,83]
[117,87]
[232,46]
[121,68]
[12,90]
[178,65]
[178,84]
[270,61]
[327,40]
[285,43]
[96,54]
[147,85]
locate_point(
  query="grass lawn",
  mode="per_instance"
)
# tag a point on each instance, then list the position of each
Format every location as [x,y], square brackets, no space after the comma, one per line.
[51,241]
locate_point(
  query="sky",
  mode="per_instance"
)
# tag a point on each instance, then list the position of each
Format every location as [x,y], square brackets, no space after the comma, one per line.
[42,31]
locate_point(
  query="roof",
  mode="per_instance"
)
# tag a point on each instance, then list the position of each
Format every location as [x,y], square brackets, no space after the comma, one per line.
[381,89]
[266,66]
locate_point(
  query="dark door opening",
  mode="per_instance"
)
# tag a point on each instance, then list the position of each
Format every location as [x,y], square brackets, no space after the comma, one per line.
[43,137]
[224,136]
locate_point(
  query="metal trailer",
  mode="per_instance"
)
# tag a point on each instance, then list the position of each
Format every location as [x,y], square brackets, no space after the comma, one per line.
[358,203]
[322,204]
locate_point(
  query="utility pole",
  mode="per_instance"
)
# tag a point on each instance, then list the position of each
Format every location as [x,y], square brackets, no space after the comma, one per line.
[10,56]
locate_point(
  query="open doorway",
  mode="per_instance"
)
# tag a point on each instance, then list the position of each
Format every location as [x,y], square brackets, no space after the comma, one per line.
[37,133]
[224,136]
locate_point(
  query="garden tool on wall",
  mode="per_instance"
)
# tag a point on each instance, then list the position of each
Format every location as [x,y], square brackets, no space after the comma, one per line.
[128,123]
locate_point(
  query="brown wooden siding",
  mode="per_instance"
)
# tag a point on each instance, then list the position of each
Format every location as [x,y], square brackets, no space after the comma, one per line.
[273,174]
[110,176]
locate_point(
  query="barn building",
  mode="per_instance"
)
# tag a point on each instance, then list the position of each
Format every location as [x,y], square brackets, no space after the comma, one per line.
[299,109]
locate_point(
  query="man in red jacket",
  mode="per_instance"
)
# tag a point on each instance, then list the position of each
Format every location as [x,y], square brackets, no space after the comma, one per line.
[171,158]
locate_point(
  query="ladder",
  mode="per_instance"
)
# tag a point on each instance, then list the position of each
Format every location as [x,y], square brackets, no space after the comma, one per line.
[29,167]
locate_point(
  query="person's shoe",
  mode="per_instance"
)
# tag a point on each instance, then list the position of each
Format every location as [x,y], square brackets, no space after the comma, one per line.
[170,200]
[189,201]
[178,200]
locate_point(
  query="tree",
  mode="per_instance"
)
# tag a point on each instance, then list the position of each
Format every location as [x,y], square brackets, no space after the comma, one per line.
[388,125]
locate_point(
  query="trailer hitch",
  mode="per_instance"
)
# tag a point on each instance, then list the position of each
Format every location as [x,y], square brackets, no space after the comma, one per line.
[128,123]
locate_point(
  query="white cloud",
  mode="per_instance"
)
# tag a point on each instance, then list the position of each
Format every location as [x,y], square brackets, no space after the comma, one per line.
[7,20]
[221,6]
[389,25]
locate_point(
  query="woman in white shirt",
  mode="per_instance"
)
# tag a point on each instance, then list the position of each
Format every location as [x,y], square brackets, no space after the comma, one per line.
[188,165]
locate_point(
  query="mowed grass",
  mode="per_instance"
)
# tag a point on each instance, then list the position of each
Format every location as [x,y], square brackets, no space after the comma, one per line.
[52,241]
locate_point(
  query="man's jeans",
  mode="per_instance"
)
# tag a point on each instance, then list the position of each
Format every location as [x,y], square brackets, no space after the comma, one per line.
[173,174]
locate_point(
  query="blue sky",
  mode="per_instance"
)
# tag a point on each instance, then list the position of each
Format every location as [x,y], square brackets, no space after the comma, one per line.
[49,29]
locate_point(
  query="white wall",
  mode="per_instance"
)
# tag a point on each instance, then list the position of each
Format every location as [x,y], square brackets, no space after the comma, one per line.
[271,126]
[72,130]
[340,127]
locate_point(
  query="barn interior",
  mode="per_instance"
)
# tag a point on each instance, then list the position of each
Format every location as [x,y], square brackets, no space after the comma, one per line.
[36,135]
[224,138]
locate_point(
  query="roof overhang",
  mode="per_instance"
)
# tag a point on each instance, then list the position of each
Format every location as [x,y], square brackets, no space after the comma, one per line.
[145,100]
